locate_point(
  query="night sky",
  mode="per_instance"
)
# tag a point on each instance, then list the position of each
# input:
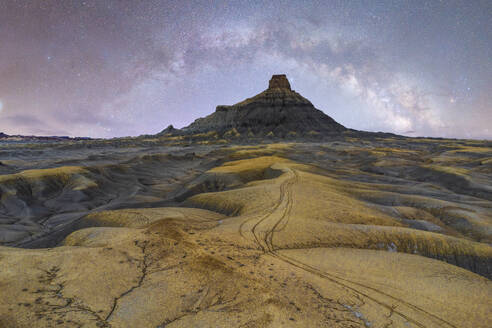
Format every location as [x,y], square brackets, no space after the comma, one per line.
[117,68]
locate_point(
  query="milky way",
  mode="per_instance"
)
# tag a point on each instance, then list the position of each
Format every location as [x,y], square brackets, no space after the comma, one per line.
[115,68]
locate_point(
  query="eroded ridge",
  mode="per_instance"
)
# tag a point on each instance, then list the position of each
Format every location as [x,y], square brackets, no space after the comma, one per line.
[264,238]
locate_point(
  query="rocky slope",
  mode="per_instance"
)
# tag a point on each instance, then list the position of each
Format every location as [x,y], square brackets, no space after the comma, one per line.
[278,111]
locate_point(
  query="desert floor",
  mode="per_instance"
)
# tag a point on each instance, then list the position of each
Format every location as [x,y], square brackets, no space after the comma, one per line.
[353,232]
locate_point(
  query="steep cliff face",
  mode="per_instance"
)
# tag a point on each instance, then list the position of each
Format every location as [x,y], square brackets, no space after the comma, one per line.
[278,110]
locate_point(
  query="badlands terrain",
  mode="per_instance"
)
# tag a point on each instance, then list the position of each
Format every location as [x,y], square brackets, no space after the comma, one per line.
[247,220]
[388,232]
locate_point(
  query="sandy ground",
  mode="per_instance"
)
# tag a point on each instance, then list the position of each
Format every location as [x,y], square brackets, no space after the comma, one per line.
[352,232]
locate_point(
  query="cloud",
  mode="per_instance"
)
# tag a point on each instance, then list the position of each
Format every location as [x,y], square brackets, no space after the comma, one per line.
[123,68]
[350,65]
[62,61]
[22,120]
[35,125]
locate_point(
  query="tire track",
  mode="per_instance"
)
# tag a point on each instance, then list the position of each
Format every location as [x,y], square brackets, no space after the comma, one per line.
[346,285]
[286,214]
[286,196]
[263,217]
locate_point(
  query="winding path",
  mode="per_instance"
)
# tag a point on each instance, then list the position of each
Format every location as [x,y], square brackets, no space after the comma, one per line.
[277,219]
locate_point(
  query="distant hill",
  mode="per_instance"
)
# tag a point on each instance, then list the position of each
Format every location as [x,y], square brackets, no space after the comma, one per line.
[21,138]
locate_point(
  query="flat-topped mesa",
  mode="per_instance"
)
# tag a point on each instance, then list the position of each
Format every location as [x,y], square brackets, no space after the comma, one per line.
[279,81]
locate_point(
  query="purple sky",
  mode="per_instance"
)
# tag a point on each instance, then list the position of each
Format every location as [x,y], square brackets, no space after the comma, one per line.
[117,68]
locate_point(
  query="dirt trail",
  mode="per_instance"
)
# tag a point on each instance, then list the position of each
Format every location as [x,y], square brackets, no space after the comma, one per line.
[263,232]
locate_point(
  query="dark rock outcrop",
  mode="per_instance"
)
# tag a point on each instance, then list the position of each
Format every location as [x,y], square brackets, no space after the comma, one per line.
[168,130]
[278,111]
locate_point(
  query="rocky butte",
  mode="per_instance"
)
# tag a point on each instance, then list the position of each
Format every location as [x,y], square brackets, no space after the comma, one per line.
[278,111]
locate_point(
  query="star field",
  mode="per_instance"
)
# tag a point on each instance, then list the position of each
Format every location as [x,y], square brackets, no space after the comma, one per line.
[114,68]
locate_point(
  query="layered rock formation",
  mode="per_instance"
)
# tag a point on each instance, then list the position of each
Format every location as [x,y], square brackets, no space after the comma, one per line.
[279,81]
[277,111]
